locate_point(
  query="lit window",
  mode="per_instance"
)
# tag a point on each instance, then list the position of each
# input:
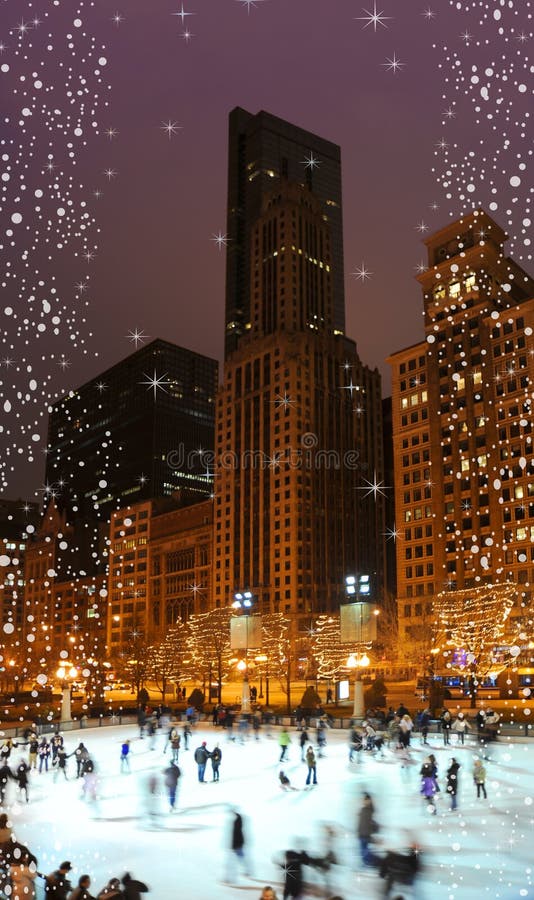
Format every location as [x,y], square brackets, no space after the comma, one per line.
[471,283]
[454,289]
[477,377]
[465,465]
[482,460]
[404,403]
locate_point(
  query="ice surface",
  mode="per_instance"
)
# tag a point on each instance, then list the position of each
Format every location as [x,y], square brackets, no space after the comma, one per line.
[482,850]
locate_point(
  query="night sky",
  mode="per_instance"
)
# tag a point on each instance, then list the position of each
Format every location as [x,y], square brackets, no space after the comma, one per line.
[398,92]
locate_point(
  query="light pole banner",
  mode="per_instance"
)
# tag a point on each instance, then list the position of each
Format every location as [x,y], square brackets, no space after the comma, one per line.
[358,623]
[245,632]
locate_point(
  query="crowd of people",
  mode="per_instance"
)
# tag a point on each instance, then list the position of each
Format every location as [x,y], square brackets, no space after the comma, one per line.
[19,873]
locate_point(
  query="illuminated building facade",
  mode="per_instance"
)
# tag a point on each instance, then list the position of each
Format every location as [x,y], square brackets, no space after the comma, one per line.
[462,428]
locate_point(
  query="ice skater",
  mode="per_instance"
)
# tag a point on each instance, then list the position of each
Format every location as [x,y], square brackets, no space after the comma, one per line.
[479,778]
[201,756]
[216,759]
[452,782]
[285,783]
[172,775]
[303,740]
[311,762]
[44,754]
[237,856]
[125,757]
[284,741]
[21,775]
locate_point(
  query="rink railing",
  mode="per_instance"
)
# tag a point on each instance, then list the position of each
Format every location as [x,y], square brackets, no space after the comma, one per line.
[505,730]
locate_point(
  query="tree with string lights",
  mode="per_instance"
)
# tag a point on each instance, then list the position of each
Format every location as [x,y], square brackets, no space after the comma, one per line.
[471,624]
[208,651]
[166,659]
[329,651]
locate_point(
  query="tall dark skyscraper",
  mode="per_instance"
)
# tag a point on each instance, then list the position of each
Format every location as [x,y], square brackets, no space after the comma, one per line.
[134,432]
[298,499]
[263,150]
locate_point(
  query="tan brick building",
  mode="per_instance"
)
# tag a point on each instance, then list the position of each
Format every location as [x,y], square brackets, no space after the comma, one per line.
[462,429]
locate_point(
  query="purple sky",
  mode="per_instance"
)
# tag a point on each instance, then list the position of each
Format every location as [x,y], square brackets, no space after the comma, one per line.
[156,267]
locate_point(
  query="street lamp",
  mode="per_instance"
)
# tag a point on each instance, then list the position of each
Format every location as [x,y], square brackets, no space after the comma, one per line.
[242,602]
[64,672]
[356,662]
[263,658]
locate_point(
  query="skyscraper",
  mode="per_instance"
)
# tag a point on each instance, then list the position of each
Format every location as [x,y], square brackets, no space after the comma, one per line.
[462,429]
[134,431]
[263,150]
[298,428]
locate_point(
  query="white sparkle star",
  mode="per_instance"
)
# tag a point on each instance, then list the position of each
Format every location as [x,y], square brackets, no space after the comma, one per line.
[88,256]
[221,240]
[22,27]
[109,173]
[311,162]
[182,14]
[361,273]
[273,462]
[50,166]
[466,37]
[421,227]
[154,382]
[373,18]
[391,534]
[187,35]
[195,588]
[442,144]
[346,366]
[137,336]
[374,488]
[249,3]
[111,133]
[393,65]
[350,387]
[171,128]
[101,387]
[434,206]
[7,362]
[429,14]
[81,286]
[358,410]
[2,46]
[97,194]
[449,113]
[522,37]
[421,267]
[64,363]
[142,479]
[286,401]
[117,18]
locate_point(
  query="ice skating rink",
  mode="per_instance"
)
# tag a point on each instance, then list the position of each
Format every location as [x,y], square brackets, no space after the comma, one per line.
[484,849]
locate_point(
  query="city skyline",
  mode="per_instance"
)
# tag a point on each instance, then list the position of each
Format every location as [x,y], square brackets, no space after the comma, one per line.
[154,177]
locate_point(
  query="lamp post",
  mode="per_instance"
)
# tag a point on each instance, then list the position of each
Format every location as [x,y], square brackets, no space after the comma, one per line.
[65,672]
[356,663]
[243,601]
[263,658]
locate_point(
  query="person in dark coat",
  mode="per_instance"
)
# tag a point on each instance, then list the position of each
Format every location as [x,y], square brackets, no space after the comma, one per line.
[293,882]
[216,759]
[237,847]
[82,891]
[132,888]
[172,774]
[57,885]
[44,754]
[202,755]
[112,891]
[303,740]
[5,776]
[61,763]
[452,782]
[367,827]
[81,755]
[21,775]
[446,725]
